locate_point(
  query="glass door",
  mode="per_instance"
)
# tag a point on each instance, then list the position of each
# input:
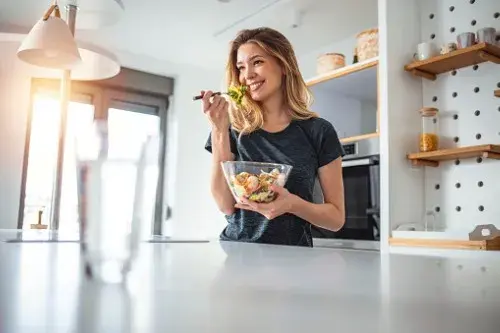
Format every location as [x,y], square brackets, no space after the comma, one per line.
[137,116]
[133,113]
[40,168]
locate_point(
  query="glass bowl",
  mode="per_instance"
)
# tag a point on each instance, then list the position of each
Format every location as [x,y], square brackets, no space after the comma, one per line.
[252,180]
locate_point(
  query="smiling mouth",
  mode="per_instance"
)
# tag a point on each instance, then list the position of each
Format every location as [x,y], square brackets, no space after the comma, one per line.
[255,86]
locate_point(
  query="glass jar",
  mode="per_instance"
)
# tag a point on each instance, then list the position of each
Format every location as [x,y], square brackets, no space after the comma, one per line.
[429,139]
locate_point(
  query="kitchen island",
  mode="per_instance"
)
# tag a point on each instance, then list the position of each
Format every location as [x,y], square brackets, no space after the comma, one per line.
[236,287]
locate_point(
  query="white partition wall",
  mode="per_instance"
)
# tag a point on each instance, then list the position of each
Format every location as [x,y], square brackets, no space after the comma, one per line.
[460,193]
[400,97]
[463,195]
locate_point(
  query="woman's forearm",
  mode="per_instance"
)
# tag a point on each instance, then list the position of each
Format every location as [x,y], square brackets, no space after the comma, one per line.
[221,151]
[326,215]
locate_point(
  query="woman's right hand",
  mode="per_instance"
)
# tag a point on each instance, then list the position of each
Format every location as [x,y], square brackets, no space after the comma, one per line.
[216,110]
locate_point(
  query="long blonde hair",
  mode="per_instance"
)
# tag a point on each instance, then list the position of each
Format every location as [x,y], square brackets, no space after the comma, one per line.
[250,116]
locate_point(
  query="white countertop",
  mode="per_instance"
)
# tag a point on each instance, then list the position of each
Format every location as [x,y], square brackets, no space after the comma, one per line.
[236,287]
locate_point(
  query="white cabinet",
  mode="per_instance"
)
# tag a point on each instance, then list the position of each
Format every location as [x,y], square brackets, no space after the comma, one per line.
[347,97]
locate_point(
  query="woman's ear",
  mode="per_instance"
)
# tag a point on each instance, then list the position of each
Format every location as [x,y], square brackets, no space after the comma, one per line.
[283,71]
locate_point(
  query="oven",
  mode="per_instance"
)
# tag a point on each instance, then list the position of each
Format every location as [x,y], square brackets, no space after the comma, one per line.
[361,176]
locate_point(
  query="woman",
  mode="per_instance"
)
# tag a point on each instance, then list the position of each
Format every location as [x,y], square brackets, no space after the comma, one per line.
[274,125]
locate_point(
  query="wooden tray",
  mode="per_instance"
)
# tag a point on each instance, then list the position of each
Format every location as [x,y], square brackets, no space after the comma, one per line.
[483,245]
[484,237]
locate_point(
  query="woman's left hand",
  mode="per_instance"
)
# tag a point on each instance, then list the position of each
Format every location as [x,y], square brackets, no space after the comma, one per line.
[281,205]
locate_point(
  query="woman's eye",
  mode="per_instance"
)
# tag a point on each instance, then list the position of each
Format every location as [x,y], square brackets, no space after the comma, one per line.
[257,62]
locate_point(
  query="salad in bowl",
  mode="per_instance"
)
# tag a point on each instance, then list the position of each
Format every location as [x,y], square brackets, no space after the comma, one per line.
[253,180]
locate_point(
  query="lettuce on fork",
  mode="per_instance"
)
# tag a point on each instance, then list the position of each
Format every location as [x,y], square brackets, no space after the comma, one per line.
[236,93]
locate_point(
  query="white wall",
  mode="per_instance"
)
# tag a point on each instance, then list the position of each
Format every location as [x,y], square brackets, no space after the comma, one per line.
[194,213]
[469,196]
[369,116]
[349,116]
[343,112]
[402,193]
[307,62]
[14,104]
[409,193]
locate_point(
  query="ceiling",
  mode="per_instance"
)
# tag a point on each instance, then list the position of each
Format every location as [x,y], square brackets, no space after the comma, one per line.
[197,32]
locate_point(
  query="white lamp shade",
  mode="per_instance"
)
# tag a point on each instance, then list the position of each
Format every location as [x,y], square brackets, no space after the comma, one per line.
[50,44]
[97,64]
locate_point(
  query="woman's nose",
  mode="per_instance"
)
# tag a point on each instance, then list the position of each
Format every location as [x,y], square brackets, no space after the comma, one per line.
[250,73]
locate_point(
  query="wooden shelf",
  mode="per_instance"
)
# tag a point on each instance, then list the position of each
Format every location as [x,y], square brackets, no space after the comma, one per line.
[343,71]
[497,93]
[484,245]
[359,137]
[354,82]
[460,58]
[434,157]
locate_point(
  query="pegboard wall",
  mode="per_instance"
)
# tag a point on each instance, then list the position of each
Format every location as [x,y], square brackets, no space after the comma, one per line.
[463,193]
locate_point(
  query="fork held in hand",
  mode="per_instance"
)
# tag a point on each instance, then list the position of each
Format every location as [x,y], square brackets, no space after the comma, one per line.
[195,98]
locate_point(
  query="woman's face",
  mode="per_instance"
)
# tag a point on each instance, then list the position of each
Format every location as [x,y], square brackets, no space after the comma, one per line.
[259,71]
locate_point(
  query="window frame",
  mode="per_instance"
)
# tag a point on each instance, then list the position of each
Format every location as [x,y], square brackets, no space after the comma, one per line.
[102,97]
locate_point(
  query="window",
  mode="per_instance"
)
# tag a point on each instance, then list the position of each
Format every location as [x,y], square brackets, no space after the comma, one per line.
[135,113]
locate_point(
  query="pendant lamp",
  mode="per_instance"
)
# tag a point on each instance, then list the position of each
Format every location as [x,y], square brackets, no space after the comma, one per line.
[50,43]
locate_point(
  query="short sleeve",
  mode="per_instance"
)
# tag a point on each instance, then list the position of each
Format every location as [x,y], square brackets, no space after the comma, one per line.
[329,146]
[232,140]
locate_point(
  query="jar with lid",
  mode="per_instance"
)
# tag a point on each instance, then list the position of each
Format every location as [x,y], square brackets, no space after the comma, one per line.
[429,139]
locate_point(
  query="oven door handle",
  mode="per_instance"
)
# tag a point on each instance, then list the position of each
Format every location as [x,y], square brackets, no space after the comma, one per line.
[358,162]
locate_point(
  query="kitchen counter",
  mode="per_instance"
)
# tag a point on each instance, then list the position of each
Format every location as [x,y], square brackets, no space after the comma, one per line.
[54,236]
[235,287]
[347,244]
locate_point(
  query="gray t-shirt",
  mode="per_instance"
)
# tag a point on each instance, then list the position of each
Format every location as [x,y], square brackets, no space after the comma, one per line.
[306,145]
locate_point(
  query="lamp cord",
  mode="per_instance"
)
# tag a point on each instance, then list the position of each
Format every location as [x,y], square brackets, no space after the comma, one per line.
[53,8]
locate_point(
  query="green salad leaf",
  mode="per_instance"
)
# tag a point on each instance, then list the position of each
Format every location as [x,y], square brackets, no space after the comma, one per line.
[237,94]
